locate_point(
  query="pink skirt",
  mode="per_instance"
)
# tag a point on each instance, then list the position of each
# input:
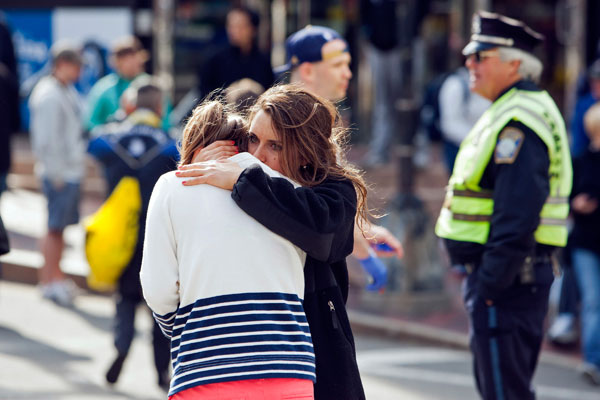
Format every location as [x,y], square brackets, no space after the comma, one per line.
[251,389]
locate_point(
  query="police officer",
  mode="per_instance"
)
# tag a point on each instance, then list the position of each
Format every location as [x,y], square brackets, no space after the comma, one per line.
[506,206]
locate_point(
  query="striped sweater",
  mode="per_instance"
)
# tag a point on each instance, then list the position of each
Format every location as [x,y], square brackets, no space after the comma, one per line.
[226,290]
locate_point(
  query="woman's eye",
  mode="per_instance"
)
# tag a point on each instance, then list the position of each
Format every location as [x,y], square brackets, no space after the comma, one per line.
[276,147]
[253,139]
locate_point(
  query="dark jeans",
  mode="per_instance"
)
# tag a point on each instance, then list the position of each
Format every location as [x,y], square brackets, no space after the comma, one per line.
[506,338]
[568,302]
[125,331]
[129,298]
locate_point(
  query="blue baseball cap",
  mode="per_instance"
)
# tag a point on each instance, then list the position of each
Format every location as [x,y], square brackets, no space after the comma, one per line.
[491,30]
[306,46]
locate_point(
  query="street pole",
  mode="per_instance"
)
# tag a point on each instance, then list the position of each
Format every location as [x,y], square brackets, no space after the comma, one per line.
[162,30]
[278,31]
[416,281]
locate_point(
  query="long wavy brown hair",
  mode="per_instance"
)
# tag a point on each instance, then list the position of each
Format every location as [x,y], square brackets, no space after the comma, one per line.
[312,141]
[210,121]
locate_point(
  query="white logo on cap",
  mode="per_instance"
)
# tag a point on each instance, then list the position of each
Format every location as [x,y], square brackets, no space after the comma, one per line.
[476,28]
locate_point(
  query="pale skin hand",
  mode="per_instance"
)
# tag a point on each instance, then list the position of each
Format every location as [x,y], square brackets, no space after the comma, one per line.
[221,173]
[216,151]
[373,235]
[584,204]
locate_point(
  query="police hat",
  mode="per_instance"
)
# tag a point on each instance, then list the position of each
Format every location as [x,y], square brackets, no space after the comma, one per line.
[491,30]
[306,46]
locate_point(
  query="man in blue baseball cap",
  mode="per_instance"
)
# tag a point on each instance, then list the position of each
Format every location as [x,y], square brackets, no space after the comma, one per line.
[506,207]
[318,57]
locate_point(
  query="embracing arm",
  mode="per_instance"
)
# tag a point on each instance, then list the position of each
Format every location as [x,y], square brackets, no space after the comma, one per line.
[319,220]
[159,274]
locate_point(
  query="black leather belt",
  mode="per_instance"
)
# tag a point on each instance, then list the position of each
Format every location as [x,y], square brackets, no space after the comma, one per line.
[527,273]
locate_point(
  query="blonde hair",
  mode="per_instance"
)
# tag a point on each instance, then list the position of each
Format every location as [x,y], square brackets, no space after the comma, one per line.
[306,125]
[210,121]
[591,120]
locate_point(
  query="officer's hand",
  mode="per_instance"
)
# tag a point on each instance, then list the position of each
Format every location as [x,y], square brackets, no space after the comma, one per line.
[378,271]
[215,151]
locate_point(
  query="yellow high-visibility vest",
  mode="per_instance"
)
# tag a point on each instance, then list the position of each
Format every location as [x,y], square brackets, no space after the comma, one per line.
[467,209]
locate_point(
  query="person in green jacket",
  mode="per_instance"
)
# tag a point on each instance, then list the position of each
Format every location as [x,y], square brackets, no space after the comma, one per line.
[128,58]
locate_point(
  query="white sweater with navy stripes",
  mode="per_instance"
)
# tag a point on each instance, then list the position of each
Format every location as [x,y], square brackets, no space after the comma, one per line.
[226,290]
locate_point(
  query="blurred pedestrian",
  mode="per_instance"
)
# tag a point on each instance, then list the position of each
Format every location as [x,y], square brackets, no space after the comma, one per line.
[136,147]
[128,58]
[506,206]
[585,243]
[579,137]
[240,58]
[238,311]
[9,100]
[318,58]
[58,145]
[563,331]
[242,94]
[294,132]
[385,58]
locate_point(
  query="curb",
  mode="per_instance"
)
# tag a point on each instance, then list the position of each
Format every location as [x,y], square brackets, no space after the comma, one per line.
[412,330]
[407,329]
[22,266]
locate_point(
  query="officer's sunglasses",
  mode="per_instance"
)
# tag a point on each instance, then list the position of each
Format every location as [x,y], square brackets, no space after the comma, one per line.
[479,56]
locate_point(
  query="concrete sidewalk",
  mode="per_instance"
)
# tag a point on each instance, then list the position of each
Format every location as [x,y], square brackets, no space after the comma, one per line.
[432,316]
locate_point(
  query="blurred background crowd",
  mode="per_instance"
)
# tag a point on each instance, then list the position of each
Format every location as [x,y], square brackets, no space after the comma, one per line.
[408,102]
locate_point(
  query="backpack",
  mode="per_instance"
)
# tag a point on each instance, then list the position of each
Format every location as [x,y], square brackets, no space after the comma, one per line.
[430,109]
[111,234]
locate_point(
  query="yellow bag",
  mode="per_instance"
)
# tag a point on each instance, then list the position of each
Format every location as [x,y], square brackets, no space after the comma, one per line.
[111,234]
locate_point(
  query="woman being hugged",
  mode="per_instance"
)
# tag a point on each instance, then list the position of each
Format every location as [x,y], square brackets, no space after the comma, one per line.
[294,132]
[226,290]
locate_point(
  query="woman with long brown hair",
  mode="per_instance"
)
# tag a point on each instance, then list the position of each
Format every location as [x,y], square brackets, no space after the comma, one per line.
[294,132]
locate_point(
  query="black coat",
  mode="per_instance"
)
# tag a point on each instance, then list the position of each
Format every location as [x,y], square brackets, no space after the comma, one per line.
[319,220]
[229,65]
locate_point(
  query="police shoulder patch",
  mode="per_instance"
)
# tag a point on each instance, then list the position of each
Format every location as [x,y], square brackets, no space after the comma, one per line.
[509,143]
